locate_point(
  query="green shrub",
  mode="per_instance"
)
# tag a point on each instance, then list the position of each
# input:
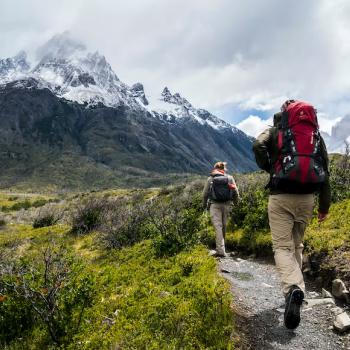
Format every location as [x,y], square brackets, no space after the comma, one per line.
[175,223]
[48,216]
[16,316]
[331,234]
[39,203]
[172,220]
[340,177]
[44,221]
[249,217]
[89,216]
[126,223]
[20,205]
[52,290]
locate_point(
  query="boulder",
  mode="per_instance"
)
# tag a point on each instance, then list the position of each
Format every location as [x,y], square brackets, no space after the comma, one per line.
[342,322]
[337,310]
[339,289]
[306,264]
[314,294]
[326,294]
[319,301]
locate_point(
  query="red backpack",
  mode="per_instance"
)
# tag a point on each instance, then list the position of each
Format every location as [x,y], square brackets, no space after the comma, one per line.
[299,167]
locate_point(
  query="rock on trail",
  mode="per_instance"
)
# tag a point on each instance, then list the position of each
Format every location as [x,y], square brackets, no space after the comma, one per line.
[259,306]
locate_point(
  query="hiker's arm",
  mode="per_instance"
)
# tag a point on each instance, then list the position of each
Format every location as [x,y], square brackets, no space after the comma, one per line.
[205,195]
[324,154]
[260,149]
[324,199]
[325,191]
[234,185]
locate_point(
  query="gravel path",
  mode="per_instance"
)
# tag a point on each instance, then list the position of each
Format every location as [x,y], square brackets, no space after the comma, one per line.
[259,306]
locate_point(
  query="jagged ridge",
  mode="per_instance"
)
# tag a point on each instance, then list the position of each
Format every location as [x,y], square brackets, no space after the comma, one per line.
[71,108]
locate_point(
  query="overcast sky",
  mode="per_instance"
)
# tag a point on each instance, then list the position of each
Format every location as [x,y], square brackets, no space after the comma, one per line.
[238,59]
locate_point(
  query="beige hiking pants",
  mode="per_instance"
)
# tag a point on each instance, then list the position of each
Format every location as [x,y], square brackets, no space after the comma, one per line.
[219,215]
[289,215]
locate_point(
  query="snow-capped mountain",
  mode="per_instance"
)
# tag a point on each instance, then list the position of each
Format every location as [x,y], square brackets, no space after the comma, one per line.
[340,135]
[14,68]
[174,107]
[67,118]
[71,72]
[66,68]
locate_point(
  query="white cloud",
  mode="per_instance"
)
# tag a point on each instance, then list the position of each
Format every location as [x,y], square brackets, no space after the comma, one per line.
[215,53]
[326,123]
[254,125]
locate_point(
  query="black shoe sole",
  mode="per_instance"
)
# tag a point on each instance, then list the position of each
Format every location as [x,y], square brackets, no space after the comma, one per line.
[292,311]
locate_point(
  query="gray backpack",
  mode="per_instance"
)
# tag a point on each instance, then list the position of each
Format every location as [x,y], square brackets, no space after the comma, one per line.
[219,190]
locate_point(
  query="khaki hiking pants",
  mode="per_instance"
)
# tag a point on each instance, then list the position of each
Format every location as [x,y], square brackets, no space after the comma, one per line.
[219,215]
[289,215]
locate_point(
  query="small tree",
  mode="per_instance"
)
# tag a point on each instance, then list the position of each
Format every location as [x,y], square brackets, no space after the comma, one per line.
[89,215]
[174,223]
[55,288]
[47,216]
[124,225]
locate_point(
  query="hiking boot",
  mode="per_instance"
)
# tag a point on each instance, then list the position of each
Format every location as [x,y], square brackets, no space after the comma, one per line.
[294,300]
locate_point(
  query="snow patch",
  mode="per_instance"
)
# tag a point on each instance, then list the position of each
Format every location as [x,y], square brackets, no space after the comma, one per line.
[66,68]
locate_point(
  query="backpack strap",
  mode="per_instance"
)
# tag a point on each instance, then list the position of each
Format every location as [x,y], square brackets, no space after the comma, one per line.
[284,120]
[280,139]
[217,175]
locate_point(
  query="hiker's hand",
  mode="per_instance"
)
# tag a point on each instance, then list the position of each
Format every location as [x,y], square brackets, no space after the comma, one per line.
[322,217]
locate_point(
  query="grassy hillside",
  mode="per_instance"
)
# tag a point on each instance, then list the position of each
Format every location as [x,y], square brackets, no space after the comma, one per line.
[129,268]
[122,269]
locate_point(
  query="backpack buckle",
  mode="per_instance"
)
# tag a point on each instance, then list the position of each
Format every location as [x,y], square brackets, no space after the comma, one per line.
[288,163]
[287,159]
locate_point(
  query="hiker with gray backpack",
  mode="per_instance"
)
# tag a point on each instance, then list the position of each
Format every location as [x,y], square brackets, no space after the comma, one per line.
[294,154]
[219,192]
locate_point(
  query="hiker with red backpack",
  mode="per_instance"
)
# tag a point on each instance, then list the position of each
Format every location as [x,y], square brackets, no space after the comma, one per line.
[295,155]
[219,192]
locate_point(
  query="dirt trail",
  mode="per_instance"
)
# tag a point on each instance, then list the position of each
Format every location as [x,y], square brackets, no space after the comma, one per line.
[259,306]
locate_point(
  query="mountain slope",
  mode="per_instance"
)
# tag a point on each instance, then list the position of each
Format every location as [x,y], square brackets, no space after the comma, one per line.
[339,137]
[71,108]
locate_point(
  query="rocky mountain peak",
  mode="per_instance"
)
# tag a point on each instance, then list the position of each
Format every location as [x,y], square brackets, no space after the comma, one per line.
[60,46]
[13,67]
[21,58]
[164,132]
[176,98]
[137,91]
[70,71]
[166,94]
[341,129]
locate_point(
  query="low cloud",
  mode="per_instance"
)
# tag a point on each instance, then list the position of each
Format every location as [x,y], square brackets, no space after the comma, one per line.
[326,123]
[215,53]
[254,125]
